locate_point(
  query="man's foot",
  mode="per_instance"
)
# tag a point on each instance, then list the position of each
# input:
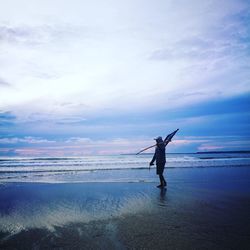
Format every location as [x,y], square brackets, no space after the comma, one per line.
[165,184]
[160,186]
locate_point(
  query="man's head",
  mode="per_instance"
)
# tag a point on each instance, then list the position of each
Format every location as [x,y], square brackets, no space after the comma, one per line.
[159,139]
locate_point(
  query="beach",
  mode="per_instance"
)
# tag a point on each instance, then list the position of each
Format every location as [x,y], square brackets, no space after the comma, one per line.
[124,125]
[201,208]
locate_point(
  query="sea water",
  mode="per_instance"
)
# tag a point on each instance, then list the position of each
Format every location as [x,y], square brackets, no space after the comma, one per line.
[112,168]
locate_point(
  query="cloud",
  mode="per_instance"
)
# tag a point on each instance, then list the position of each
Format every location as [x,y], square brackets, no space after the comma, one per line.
[7,118]
[77,140]
[222,142]
[17,34]
[7,152]
[80,146]
[26,140]
[197,59]
[73,146]
[7,115]
[210,148]
[34,35]
[4,83]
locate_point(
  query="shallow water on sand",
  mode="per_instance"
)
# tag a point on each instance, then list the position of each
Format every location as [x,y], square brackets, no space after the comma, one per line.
[200,209]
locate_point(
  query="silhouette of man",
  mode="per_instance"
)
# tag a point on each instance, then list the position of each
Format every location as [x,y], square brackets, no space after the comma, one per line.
[160,158]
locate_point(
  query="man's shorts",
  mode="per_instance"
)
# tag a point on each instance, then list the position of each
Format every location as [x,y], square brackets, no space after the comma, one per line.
[160,168]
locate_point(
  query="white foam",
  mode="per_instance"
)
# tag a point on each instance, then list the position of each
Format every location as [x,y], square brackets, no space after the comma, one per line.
[48,216]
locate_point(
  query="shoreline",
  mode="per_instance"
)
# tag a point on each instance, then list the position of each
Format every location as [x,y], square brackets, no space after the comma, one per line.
[173,175]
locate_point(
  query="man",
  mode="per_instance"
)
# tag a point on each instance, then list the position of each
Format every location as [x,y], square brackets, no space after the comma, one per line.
[160,158]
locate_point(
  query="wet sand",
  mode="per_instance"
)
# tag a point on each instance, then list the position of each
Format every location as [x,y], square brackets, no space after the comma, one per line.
[203,209]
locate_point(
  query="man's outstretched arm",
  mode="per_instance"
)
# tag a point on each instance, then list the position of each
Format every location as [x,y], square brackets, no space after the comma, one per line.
[167,142]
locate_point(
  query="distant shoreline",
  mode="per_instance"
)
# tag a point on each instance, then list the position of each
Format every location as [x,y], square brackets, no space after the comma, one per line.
[204,152]
[224,152]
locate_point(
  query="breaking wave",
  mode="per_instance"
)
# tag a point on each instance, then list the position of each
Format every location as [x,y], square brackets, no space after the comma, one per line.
[94,168]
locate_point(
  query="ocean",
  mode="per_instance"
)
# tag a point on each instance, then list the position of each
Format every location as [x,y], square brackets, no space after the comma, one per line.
[113,168]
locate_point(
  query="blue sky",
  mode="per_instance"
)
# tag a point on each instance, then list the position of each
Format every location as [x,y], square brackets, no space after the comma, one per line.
[104,77]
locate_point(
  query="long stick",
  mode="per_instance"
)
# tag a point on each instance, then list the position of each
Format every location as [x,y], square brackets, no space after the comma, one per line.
[145,149]
[166,141]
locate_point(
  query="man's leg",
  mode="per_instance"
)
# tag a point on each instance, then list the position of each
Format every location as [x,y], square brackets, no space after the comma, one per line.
[164,181]
[160,169]
[161,179]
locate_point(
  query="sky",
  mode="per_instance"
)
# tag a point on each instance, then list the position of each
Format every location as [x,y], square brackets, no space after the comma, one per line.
[106,77]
